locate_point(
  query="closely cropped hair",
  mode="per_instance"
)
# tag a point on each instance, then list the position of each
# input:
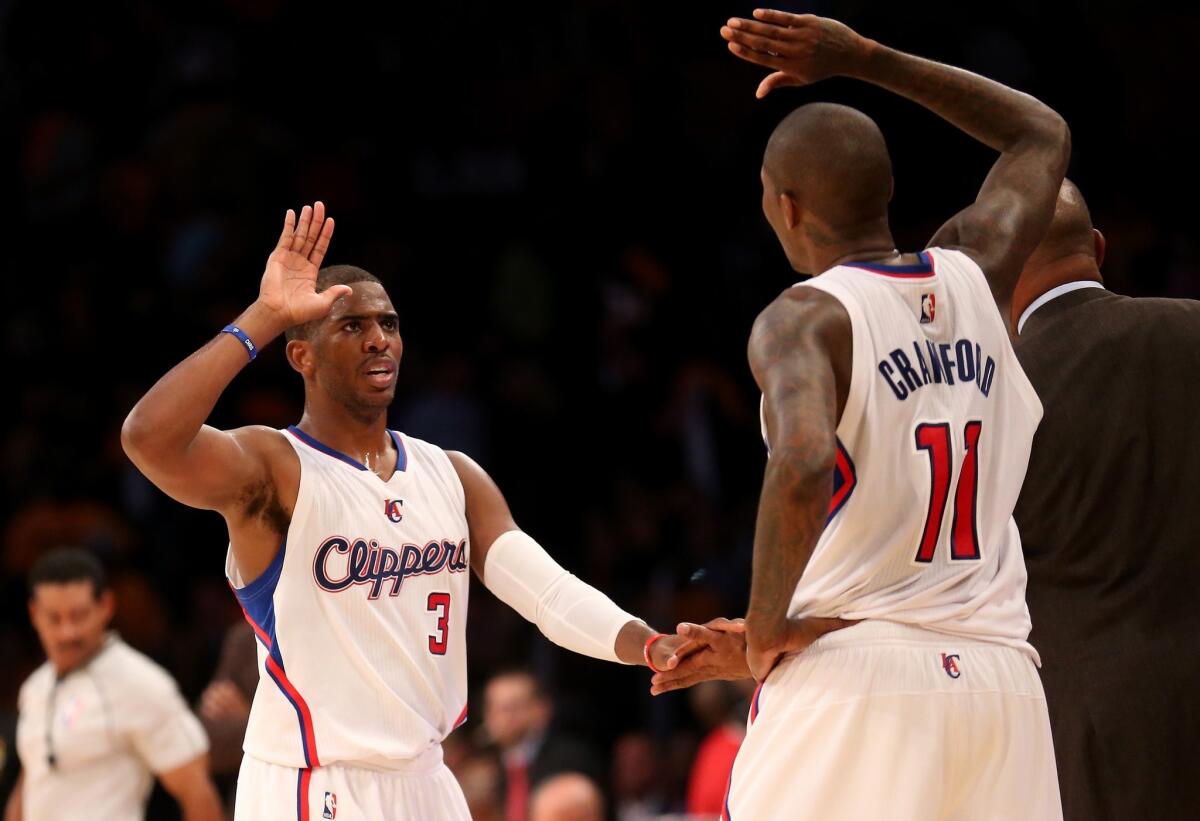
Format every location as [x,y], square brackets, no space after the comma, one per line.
[68,564]
[327,277]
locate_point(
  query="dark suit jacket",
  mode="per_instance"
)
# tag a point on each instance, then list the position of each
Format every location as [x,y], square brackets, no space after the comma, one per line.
[1110,522]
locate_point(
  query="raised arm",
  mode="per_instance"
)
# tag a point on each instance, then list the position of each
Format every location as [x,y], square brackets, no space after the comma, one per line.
[800,354]
[165,434]
[523,575]
[1014,206]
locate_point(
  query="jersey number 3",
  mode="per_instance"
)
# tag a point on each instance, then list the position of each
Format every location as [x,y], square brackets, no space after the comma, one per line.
[440,603]
[934,439]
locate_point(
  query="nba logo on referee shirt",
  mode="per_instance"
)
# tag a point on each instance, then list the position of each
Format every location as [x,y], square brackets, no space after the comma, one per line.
[330,805]
[928,306]
[391,509]
[950,665]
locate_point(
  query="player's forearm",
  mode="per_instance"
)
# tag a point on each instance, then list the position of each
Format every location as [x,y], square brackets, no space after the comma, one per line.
[202,803]
[791,516]
[1002,118]
[12,811]
[168,417]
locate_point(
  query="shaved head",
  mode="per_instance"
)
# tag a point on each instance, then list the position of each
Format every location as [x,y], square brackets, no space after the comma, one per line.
[1071,251]
[833,161]
[1070,231]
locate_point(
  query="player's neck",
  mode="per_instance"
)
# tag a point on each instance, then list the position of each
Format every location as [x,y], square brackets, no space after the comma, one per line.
[362,437]
[870,242]
[1040,277]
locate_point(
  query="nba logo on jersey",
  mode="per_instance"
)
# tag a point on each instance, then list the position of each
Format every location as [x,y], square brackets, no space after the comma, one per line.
[391,509]
[330,805]
[950,665]
[928,302]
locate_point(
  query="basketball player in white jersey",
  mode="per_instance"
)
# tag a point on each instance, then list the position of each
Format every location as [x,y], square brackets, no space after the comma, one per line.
[349,546]
[893,374]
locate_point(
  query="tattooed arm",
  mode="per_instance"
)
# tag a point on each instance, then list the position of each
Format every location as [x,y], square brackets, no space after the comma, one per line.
[1014,206]
[800,354]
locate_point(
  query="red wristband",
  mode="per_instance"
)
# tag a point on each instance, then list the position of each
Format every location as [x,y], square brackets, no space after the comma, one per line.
[646,651]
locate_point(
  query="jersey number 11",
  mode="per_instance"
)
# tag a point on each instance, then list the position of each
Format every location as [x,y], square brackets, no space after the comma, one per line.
[934,439]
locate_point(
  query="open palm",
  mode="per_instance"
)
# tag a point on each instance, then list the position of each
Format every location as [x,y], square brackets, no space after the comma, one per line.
[289,284]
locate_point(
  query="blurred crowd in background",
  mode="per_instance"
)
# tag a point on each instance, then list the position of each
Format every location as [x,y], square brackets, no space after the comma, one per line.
[563,201]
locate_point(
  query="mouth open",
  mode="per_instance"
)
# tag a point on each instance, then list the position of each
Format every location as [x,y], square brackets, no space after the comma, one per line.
[381,376]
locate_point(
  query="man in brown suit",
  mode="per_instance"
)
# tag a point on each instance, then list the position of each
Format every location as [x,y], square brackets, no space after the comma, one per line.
[1110,522]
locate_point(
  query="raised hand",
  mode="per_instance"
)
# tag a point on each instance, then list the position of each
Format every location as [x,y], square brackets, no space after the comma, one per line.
[715,650]
[802,48]
[289,283]
[765,648]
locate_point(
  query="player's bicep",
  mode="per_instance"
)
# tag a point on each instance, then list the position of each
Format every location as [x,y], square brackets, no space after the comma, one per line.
[214,470]
[793,353]
[488,515]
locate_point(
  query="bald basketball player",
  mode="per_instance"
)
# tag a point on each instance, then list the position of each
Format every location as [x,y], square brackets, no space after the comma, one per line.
[1110,529]
[898,424]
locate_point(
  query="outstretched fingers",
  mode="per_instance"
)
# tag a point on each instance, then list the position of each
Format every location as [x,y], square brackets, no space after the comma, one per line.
[758,42]
[322,245]
[314,229]
[301,233]
[783,18]
[289,227]
[761,58]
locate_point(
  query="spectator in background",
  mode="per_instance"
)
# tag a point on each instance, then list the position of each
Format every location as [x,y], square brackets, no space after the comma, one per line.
[481,781]
[722,707]
[640,790]
[225,705]
[567,797]
[517,716]
[99,718]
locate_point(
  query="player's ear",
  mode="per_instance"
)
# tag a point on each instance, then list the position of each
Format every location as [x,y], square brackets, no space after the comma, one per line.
[790,209]
[299,354]
[1100,245]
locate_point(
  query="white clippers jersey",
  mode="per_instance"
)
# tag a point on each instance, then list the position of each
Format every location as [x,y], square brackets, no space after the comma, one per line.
[932,449]
[361,617]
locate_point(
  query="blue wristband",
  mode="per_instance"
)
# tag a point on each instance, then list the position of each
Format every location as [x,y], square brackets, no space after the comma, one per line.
[245,340]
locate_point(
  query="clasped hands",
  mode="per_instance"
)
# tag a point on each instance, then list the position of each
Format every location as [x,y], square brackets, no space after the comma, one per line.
[726,649]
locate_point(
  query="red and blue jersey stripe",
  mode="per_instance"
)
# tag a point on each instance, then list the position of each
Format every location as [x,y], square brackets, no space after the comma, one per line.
[258,605]
[919,270]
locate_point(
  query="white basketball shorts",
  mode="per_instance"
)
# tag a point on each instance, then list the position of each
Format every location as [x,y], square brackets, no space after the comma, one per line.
[890,721]
[270,792]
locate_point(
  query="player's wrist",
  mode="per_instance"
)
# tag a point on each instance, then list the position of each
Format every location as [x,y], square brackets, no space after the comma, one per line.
[261,323]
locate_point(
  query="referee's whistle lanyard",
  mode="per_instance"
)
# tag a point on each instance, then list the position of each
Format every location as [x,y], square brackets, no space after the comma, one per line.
[86,670]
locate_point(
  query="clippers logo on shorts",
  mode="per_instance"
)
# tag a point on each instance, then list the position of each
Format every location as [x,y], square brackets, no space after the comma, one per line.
[928,307]
[369,562]
[392,509]
[950,665]
[330,805]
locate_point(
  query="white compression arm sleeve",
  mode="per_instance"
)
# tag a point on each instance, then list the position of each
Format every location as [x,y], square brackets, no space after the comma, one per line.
[570,613]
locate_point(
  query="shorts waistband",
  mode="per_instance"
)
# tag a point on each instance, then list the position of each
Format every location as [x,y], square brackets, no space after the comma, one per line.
[427,761]
[873,631]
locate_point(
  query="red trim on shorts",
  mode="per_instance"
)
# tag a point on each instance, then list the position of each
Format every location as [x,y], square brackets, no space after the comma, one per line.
[303,778]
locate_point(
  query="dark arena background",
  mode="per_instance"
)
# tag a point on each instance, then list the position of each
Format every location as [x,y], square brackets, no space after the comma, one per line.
[564,203]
